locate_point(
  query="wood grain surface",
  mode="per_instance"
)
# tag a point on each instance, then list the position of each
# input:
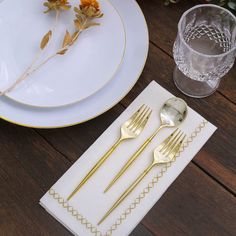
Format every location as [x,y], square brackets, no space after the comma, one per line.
[200,202]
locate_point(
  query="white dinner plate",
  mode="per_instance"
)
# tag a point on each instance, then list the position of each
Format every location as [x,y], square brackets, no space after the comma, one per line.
[137,42]
[88,65]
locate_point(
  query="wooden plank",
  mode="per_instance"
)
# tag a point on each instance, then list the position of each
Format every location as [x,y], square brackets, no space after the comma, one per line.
[141,230]
[20,212]
[221,148]
[193,205]
[34,153]
[28,167]
[162,22]
[228,85]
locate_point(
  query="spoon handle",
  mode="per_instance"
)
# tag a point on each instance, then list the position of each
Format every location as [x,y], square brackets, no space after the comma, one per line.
[132,159]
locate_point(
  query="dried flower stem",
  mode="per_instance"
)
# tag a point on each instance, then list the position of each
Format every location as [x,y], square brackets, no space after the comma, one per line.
[56,20]
[56,53]
[22,77]
[27,72]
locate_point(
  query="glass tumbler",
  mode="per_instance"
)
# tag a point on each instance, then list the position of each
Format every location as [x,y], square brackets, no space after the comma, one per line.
[204,50]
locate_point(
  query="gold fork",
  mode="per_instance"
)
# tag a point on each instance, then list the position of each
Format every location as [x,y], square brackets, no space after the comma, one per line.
[129,130]
[164,153]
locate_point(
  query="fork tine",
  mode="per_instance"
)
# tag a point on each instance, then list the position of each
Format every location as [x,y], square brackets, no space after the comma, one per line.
[145,120]
[174,142]
[136,120]
[168,139]
[170,142]
[135,115]
[176,149]
[144,117]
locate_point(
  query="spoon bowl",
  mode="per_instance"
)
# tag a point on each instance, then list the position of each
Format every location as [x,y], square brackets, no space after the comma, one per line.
[173,112]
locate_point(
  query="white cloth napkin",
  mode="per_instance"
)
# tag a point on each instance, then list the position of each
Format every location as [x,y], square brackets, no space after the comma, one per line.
[82,213]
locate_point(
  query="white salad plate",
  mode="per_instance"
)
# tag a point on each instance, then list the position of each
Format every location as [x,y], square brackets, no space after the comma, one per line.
[137,42]
[86,68]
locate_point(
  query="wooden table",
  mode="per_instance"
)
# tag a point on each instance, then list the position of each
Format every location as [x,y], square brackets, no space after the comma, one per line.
[200,202]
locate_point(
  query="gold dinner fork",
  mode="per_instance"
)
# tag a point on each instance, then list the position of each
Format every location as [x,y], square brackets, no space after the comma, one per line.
[164,153]
[129,130]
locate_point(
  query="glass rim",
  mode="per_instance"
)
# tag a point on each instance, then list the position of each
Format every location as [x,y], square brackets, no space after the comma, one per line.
[190,48]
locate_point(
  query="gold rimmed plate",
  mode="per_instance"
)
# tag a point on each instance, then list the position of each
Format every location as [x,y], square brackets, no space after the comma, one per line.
[86,68]
[137,42]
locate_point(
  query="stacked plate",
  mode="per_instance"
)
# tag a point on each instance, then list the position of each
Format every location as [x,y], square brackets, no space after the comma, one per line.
[92,77]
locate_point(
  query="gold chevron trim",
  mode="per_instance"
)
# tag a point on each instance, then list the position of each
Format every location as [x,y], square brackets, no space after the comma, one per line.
[137,200]
[74,212]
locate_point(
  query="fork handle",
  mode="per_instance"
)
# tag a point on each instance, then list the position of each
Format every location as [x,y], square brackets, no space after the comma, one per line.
[133,158]
[127,192]
[128,164]
[95,167]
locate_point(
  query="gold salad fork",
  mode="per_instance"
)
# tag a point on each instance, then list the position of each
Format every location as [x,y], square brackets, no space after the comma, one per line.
[164,153]
[129,130]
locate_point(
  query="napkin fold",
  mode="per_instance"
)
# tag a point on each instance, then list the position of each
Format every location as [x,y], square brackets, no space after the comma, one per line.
[81,214]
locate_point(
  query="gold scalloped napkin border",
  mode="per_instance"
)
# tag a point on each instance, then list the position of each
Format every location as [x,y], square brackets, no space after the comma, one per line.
[81,214]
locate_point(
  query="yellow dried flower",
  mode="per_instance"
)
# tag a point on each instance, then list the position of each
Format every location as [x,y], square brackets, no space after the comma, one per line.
[87,11]
[89,3]
[90,8]
[57,5]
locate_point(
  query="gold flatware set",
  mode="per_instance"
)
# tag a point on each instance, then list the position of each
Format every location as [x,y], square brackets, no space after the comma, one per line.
[172,114]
